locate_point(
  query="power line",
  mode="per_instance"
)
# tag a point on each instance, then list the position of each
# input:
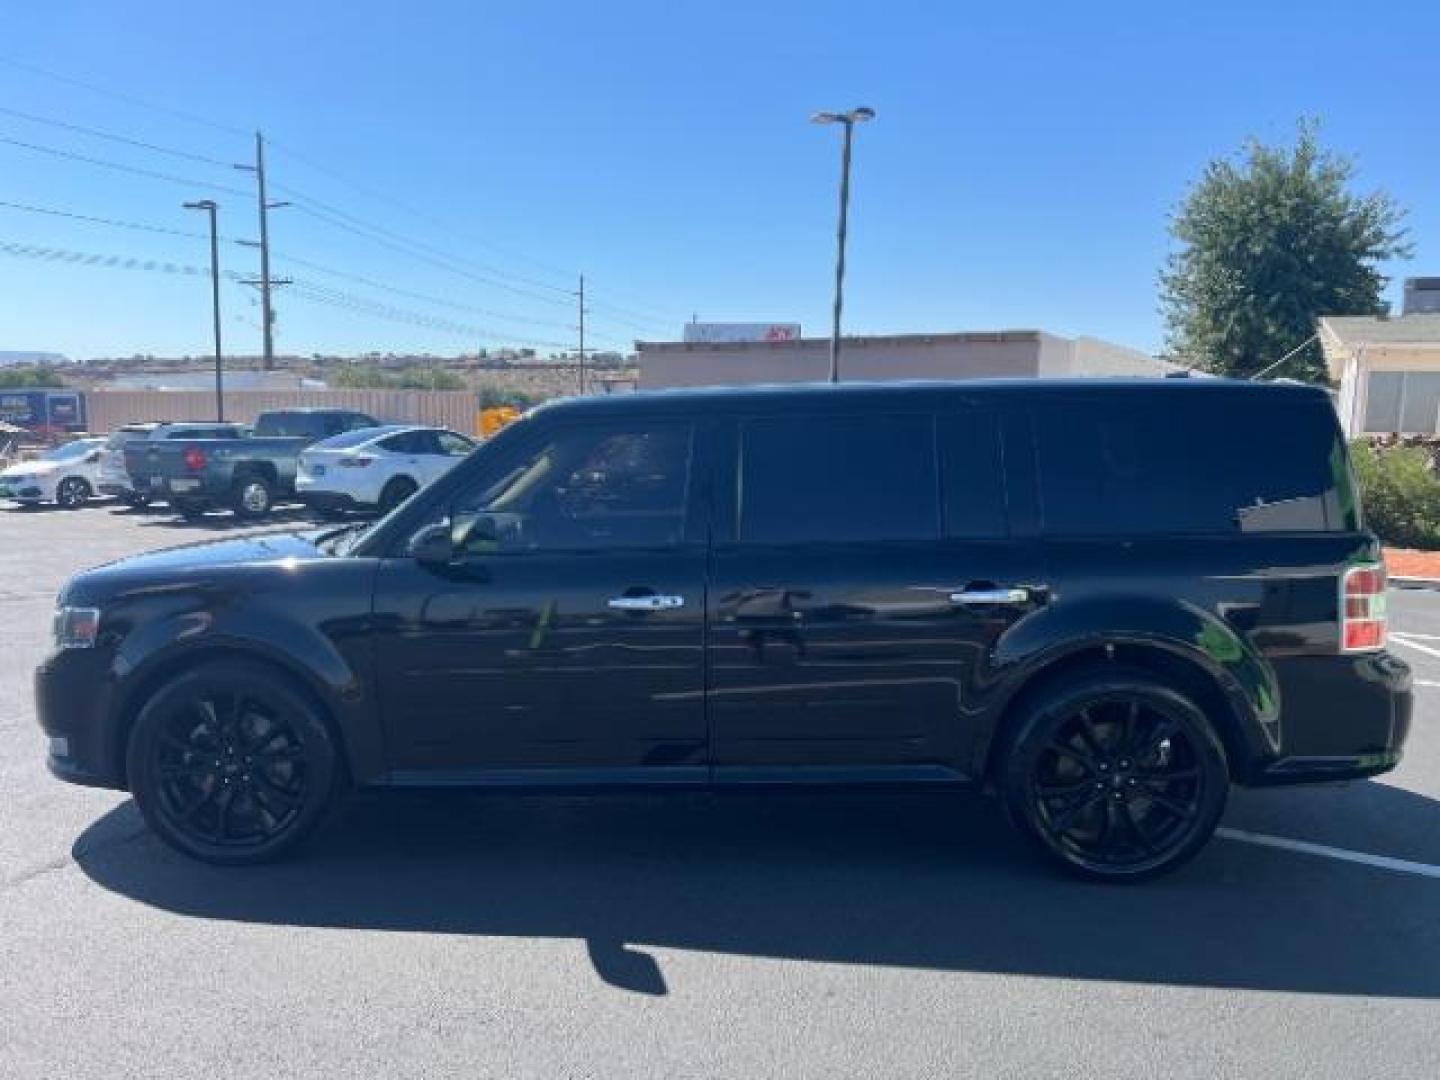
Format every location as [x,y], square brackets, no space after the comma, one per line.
[118,96]
[111,136]
[375,193]
[110,262]
[149,173]
[411,294]
[443,263]
[114,222]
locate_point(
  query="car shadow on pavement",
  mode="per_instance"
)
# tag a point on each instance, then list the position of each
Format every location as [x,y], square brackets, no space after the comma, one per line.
[225,521]
[923,880]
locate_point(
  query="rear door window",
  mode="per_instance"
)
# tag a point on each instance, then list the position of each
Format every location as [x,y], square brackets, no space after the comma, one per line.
[972,474]
[838,478]
[1211,463]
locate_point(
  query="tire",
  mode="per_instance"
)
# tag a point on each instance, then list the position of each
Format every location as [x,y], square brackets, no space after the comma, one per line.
[236,727]
[252,496]
[72,493]
[396,492]
[1115,776]
[138,502]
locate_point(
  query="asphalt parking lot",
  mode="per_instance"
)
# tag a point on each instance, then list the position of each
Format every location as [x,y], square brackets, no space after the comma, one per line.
[430,935]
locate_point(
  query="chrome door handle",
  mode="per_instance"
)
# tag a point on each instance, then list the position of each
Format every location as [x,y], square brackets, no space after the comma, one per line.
[990,596]
[646,603]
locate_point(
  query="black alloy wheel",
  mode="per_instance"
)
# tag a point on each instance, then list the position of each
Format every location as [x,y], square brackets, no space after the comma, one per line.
[72,493]
[230,764]
[1117,777]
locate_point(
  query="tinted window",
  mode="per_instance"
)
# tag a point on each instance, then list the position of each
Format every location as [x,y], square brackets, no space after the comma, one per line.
[972,474]
[838,478]
[454,445]
[405,442]
[1216,463]
[584,488]
[286,425]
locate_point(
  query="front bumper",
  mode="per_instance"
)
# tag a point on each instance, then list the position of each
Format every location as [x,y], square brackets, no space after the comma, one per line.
[73,702]
[26,492]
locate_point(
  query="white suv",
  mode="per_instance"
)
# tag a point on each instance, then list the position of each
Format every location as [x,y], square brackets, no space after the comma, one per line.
[376,468]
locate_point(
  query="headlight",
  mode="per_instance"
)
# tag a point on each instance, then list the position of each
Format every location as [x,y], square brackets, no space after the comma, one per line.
[76,627]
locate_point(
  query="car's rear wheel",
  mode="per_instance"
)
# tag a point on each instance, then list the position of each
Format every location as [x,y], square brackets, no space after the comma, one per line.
[72,493]
[252,496]
[1115,776]
[137,500]
[396,492]
[231,764]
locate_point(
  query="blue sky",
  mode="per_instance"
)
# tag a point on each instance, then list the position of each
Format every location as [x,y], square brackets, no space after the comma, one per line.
[1019,174]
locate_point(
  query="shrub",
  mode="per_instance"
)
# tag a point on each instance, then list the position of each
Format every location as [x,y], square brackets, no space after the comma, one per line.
[1399,492]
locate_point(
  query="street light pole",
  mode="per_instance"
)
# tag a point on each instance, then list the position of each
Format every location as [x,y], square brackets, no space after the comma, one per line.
[210,206]
[849,120]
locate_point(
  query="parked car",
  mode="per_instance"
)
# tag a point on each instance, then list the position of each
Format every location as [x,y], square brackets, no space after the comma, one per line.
[376,468]
[1106,600]
[66,475]
[247,474]
[115,478]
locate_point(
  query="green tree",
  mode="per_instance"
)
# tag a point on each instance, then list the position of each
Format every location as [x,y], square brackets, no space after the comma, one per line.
[41,376]
[1267,244]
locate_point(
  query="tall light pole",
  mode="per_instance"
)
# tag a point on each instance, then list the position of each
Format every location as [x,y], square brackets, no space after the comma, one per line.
[210,206]
[855,116]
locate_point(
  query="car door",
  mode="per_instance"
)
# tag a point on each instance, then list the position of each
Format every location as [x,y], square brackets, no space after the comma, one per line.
[865,567]
[564,640]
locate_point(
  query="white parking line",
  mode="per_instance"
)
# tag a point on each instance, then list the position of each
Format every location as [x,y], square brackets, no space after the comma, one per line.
[1413,634]
[1404,639]
[1305,847]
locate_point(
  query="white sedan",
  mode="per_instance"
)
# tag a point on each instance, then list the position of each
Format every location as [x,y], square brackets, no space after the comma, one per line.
[376,468]
[66,475]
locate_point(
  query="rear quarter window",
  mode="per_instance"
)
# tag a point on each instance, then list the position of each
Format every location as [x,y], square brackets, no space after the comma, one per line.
[1208,464]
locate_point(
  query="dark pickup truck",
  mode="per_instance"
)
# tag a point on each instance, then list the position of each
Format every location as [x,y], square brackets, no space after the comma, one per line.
[248,475]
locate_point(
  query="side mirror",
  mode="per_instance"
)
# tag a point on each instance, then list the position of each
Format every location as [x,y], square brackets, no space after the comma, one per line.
[432,546]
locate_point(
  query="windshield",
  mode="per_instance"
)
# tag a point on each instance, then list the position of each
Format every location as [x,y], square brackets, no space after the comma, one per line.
[68,452]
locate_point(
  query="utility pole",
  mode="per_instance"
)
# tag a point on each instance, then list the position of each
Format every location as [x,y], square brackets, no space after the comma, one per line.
[581,294]
[267,313]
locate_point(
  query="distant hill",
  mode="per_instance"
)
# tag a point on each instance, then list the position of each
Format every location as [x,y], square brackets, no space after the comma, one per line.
[22,356]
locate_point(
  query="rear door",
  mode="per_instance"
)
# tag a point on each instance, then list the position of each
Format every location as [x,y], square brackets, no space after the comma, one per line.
[864,568]
[564,641]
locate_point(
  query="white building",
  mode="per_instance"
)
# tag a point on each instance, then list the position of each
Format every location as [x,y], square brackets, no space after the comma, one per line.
[1388,370]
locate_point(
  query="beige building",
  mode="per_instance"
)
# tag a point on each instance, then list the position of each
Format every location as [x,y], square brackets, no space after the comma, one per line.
[998,354]
[1388,370]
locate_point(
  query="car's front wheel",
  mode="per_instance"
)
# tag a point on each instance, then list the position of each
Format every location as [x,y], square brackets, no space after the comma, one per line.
[232,764]
[72,493]
[1115,776]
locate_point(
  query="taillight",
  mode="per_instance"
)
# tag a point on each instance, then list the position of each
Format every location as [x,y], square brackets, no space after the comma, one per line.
[1362,609]
[355,461]
[194,458]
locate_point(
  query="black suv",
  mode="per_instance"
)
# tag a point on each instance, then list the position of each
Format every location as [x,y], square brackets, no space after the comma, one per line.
[1108,601]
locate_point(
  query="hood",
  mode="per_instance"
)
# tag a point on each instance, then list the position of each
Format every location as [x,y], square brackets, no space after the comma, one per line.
[192,564]
[32,468]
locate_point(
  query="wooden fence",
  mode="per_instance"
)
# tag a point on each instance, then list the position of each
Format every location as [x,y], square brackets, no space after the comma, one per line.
[108,409]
